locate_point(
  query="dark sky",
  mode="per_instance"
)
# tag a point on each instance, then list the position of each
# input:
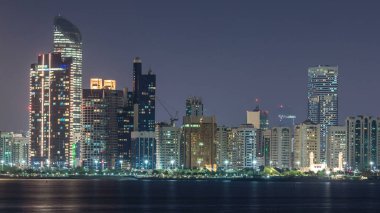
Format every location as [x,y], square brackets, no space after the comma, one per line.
[228,52]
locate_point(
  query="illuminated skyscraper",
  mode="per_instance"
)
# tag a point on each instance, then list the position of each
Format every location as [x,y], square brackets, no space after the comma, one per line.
[363,136]
[49,117]
[68,41]
[322,94]
[144,91]
[99,148]
[199,147]
[281,147]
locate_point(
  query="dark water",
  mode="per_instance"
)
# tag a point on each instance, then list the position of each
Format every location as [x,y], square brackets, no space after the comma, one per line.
[186,196]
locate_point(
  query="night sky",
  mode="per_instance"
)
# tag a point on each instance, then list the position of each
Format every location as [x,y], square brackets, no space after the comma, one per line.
[227,52]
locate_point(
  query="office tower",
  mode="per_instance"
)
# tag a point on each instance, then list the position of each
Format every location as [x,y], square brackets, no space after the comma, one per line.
[144,91]
[322,94]
[49,116]
[168,146]
[336,147]
[362,142]
[224,137]
[68,42]
[99,148]
[143,148]
[244,147]
[306,141]
[280,147]
[14,149]
[199,140]
[194,106]
[125,117]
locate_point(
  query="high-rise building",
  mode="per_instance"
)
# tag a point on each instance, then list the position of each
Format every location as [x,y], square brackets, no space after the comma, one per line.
[68,42]
[49,116]
[224,138]
[306,141]
[244,147]
[125,128]
[14,149]
[194,106]
[99,148]
[144,91]
[168,146]
[199,141]
[363,137]
[336,147]
[143,149]
[259,119]
[322,94]
[280,147]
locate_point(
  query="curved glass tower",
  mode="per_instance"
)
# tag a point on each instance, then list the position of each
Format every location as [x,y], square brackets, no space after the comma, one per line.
[68,41]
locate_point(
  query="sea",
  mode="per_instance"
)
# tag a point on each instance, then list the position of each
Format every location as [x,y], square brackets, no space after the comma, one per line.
[128,195]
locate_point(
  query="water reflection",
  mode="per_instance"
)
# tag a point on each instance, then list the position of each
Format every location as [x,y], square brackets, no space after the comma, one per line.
[186,196]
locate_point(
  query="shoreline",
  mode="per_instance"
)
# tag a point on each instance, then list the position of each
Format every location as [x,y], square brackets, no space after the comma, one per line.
[247,179]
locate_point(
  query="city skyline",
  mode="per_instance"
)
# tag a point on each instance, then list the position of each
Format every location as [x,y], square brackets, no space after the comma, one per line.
[189,73]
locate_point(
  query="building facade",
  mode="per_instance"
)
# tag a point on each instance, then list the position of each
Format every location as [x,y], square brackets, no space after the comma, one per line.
[336,147]
[224,140]
[280,147]
[168,138]
[322,94]
[14,149]
[244,147]
[100,127]
[49,115]
[306,141]
[143,150]
[363,142]
[68,42]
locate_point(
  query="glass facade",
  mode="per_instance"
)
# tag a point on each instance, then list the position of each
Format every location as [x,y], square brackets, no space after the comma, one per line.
[49,117]
[68,41]
[322,94]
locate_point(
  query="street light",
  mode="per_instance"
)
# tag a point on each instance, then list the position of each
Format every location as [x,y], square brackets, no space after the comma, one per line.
[146,164]
[96,165]
[121,164]
[199,163]
[254,164]
[172,163]
[371,165]
[226,163]
[298,164]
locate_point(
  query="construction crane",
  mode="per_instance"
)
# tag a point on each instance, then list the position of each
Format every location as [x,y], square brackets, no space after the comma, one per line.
[173,119]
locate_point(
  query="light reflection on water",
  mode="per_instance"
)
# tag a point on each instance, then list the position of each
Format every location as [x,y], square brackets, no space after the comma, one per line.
[187,196]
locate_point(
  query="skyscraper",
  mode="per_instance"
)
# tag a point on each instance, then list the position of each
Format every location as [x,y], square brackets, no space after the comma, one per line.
[68,42]
[363,137]
[199,140]
[49,116]
[244,151]
[194,106]
[259,119]
[322,94]
[144,91]
[99,148]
